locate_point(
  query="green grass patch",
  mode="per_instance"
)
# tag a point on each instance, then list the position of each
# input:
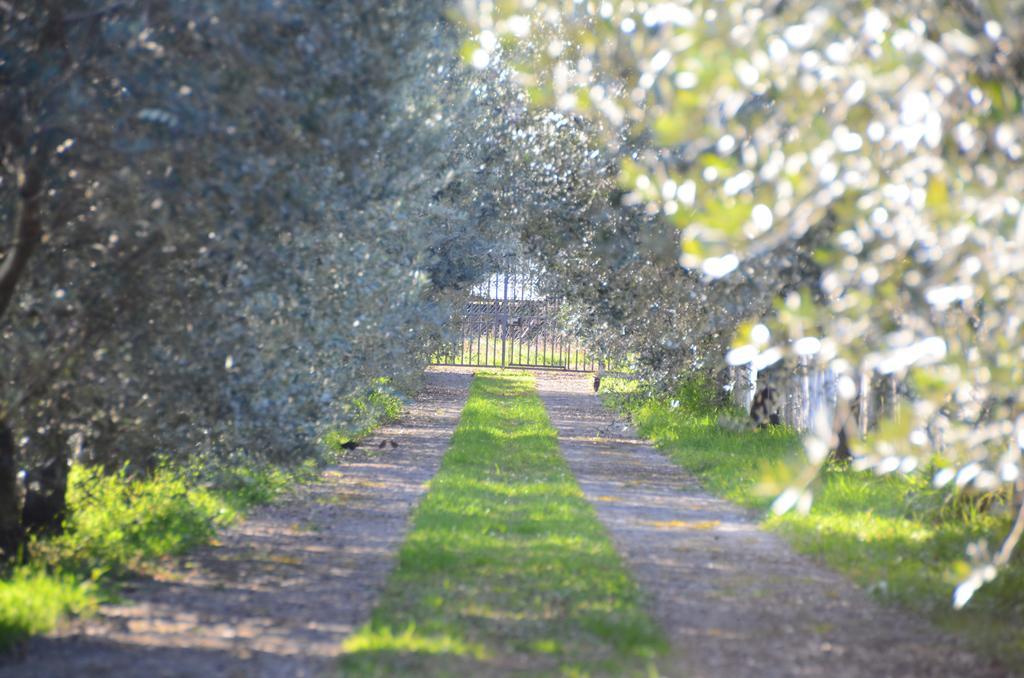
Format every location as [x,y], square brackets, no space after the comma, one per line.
[32,601]
[895,535]
[730,463]
[506,566]
[118,524]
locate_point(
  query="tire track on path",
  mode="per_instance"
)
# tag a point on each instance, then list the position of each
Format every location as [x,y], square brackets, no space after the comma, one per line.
[278,592]
[733,599]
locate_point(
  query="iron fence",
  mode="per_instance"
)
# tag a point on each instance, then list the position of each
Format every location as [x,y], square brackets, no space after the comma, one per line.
[507,322]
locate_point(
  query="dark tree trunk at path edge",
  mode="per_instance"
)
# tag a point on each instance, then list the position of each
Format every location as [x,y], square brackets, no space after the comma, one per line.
[11,533]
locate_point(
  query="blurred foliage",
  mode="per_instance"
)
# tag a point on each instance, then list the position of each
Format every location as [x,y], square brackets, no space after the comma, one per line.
[847,173]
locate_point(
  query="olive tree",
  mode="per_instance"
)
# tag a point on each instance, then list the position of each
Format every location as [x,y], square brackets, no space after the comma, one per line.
[227,220]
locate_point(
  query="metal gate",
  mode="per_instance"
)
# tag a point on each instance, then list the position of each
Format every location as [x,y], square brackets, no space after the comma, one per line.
[506,322]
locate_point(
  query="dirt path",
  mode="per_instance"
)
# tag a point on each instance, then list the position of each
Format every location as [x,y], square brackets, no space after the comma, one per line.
[734,600]
[280,591]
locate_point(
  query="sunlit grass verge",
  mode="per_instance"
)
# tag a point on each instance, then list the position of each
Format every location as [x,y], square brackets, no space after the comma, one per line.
[118,524]
[895,535]
[32,601]
[506,566]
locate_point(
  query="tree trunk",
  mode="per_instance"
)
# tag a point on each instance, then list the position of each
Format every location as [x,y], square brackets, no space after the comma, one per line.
[27,234]
[845,422]
[28,231]
[12,536]
[722,378]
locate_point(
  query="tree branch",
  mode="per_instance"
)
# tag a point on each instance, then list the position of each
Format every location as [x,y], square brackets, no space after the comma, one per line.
[27,230]
[1003,557]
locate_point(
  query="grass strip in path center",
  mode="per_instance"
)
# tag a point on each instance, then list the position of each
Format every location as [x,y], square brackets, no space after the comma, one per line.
[506,568]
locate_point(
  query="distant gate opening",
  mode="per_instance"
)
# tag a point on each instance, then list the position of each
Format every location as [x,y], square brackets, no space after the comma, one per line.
[507,323]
